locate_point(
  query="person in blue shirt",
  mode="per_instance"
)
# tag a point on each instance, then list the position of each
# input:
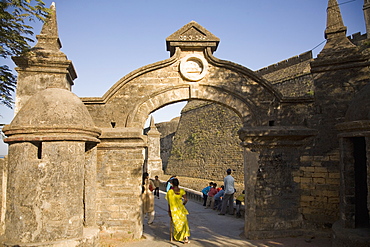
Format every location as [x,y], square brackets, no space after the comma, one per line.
[205,193]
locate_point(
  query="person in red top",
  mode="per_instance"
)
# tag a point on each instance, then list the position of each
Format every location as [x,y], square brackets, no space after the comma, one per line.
[212,192]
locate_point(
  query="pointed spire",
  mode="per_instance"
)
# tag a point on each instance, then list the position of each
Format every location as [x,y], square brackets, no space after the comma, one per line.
[153,131]
[45,65]
[152,125]
[334,22]
[335,34]
[48,39]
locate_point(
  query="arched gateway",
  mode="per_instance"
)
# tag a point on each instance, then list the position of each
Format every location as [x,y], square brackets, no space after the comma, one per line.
[74,165]
[191,73]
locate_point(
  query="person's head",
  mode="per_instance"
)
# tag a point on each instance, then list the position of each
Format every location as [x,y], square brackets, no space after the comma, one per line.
[243,192]
[210,184]
[156,177]
[175,182]
[145,175]
[222,187]
[228,171]
[214,185]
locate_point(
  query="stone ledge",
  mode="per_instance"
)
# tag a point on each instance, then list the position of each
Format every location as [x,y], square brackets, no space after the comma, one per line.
[90,238]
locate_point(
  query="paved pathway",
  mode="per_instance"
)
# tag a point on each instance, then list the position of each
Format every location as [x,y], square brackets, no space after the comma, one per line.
[209,229]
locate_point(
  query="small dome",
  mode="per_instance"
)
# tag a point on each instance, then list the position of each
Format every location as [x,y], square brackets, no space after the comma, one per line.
[359,109]
[52,114]
[53,107]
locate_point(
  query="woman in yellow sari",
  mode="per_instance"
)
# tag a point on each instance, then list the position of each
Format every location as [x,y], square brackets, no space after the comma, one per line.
[176,198]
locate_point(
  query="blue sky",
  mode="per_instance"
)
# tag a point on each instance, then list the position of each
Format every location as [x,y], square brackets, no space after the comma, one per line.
[108,39]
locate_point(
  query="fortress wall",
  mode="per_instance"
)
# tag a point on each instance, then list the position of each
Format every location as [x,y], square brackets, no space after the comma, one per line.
[206,143]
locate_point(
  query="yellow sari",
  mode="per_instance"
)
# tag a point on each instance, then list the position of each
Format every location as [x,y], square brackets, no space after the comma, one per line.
[179,215]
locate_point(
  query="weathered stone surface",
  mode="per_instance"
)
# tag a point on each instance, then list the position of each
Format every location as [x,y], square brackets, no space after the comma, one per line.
[204,147]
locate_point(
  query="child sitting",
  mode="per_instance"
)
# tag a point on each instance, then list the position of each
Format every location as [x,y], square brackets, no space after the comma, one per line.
[212,192]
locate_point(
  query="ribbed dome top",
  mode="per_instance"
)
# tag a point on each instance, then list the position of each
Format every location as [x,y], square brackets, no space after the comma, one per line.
[53,107]
[359,109]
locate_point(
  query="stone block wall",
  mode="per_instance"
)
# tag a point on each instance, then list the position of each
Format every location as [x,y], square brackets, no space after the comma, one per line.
[118,191]
[206,143]
[291,76]
[319,179]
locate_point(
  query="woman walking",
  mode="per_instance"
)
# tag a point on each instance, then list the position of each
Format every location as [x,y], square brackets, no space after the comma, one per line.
[176,198]
[148,198]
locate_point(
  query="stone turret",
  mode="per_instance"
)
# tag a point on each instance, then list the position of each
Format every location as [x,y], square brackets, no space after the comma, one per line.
[44,66]
[52,153]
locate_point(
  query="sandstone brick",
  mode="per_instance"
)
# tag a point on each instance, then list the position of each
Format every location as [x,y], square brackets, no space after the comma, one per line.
[334,200]
[307,198]
[307,169]
[319,180]
[306,158]
[321,170]
[306,180]
[316,163]
[320,175]
[334,175]
[333,181]
[331,193]
[307,186]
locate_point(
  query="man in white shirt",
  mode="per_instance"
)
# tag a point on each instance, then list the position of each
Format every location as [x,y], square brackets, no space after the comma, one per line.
[229,194]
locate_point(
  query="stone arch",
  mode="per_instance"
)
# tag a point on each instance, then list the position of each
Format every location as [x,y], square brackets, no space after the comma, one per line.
[156,85]
[243,108]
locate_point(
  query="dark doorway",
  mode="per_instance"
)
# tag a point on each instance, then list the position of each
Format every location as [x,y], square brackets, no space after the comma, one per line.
[361,189]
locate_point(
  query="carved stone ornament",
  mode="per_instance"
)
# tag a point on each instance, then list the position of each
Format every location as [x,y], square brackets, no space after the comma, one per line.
[193,67]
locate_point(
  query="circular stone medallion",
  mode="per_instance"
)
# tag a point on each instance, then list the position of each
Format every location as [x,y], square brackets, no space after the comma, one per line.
[193,67]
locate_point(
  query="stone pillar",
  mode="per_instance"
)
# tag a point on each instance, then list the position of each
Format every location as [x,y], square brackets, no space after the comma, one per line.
[90,185]
[347,196]
[154,161]
[119,182]
[272,196]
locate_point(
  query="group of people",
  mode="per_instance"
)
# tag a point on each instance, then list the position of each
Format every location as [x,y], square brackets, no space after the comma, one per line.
[176,198]
[222,198]
[212,196]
